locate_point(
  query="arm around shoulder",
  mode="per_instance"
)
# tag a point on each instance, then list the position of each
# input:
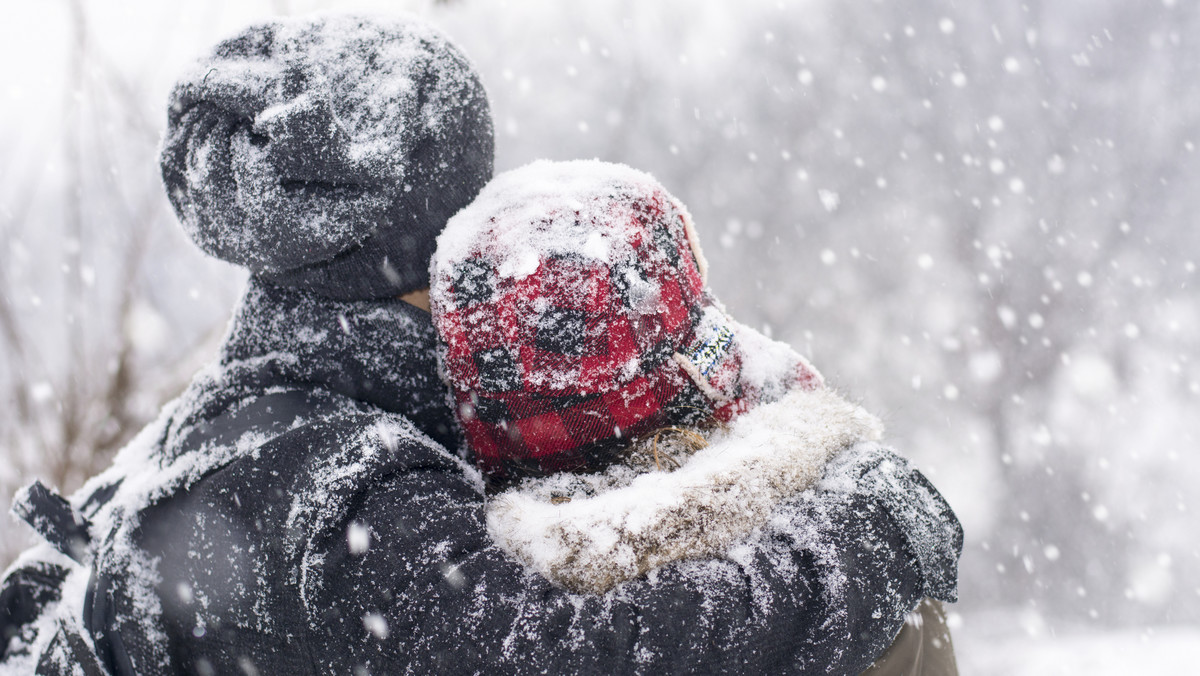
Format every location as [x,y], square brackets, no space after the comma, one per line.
[410,580]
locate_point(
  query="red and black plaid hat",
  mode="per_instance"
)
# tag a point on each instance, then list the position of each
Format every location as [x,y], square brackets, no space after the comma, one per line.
[572,313]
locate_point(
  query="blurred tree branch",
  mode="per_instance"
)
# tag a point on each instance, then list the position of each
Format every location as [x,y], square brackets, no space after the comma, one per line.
[77,380]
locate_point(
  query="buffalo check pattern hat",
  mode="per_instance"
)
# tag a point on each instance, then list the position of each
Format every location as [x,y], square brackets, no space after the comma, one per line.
[572,315]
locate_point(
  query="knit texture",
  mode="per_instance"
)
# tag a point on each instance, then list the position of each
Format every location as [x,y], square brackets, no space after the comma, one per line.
[327,153]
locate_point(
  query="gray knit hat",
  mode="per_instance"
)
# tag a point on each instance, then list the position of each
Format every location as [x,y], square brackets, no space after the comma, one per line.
[327,153]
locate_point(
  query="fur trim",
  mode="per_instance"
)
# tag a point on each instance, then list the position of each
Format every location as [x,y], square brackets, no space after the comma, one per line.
[619,525]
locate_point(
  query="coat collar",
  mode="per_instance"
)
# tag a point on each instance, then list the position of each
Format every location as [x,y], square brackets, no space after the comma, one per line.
[379,353]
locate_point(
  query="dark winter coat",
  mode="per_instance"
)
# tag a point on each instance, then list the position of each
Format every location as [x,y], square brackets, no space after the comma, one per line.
[296,512]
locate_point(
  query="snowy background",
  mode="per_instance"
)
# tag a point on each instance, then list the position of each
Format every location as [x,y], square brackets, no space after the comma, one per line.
[978,218]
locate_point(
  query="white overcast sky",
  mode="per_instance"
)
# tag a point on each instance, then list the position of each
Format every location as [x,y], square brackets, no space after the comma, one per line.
[148,39]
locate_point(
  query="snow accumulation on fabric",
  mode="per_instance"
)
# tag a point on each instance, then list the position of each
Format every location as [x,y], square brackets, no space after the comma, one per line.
[769,366]
[591,532]
[363,341]
[533,213]
[934,537]
[300,139]
[589,228]
[34,638]
[335,481]
[370,84]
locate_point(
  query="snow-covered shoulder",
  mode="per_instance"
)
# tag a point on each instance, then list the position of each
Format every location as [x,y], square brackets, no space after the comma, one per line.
[591,543]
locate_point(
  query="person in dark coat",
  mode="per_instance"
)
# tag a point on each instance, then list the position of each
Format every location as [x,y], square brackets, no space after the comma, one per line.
[304,508]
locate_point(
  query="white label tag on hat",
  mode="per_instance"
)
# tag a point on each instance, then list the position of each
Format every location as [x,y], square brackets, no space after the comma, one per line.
[711,348]
[705,359]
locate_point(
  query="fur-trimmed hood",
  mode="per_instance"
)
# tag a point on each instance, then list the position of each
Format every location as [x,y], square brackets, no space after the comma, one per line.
[589,533]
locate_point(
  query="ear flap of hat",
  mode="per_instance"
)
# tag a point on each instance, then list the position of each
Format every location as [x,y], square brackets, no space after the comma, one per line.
[738,368]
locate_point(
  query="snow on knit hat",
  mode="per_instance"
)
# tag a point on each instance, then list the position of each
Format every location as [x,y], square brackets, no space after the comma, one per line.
[572,315]
[327,152]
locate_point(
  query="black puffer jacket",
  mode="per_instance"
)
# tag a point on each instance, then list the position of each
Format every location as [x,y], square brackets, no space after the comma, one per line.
[296,512]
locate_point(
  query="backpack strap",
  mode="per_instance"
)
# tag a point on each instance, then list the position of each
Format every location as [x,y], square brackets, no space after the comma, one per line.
[104,600]
[68,653]
[24,593]
[55,520]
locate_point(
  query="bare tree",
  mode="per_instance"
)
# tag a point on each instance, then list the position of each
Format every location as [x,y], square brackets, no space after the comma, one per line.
[80,379]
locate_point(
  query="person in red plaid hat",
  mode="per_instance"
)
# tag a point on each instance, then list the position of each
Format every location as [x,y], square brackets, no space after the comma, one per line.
[571,303]
[575,331]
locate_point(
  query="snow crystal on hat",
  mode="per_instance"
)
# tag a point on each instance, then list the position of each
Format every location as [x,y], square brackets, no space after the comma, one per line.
[328,152]
[535,210]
